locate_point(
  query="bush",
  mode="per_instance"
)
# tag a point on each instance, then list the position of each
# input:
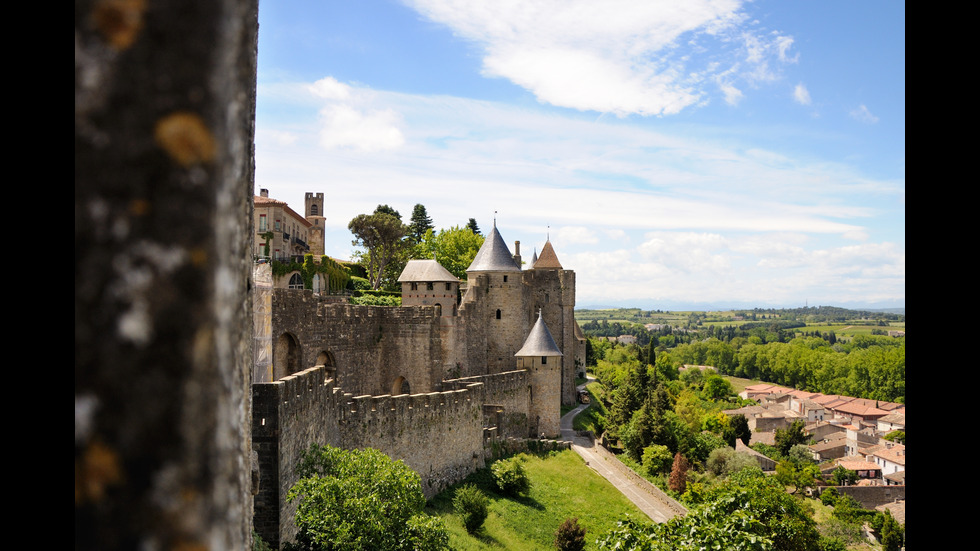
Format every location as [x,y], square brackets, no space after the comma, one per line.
[510,477]
[829,496]
[470,503]
[570,536]
[657,459]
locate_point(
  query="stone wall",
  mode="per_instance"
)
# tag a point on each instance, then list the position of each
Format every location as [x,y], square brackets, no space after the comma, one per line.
[370,347]
[872,496]
[506,398]
[439,435]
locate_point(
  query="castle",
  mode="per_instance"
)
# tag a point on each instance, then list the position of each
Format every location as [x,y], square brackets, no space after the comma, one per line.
[435,382]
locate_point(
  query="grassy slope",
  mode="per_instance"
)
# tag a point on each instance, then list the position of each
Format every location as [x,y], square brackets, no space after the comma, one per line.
[562,486]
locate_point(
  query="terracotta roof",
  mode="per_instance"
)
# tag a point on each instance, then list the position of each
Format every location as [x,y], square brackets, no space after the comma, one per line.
[494,256]
[425,270]
[270,202]
[858,465]
[548,259]
[894,454]
[539,341]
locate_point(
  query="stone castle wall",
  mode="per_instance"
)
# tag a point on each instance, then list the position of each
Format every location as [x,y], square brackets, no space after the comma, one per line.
[439,435]
[506,399]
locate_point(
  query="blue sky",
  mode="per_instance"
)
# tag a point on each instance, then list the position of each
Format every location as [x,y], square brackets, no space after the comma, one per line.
[699,153]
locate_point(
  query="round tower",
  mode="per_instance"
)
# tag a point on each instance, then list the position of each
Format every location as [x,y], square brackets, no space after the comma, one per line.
[542,358]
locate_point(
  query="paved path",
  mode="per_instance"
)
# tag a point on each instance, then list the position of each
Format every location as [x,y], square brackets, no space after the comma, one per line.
[653,502]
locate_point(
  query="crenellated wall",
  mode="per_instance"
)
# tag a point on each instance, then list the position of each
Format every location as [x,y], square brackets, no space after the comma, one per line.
[438,434]
[507,400]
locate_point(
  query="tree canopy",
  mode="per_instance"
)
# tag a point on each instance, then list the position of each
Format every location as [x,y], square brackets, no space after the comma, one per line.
[361,499]
[471,225]
[454,248]
[382,235]
[419,223]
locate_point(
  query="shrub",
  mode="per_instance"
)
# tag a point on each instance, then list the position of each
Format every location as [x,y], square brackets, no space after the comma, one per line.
[510,477]
[657,459]
[570,536]
[829,496]
[470,503]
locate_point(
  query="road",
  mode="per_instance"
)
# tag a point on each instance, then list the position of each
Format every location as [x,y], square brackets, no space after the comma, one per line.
[647,497]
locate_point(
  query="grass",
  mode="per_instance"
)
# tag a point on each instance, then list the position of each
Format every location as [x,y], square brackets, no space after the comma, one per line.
[562,486]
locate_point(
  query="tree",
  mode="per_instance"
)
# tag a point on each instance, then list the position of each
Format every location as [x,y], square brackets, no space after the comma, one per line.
[678,473]
[454,248]
[740,427]
[791,436]
[656,459]
[892,534]
[382,235]
[471,504]
[419,223]
[843,476]
[570,536]
[361,499]
[473,227]
[510,477]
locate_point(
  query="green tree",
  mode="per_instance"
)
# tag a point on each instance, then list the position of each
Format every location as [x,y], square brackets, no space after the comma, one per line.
[471,504]
[382,235]
[791,436]
[843,476]
[892,534]
[471,225]
[454,248]
[656,459]
[419,223]
[510,477]
[716,388]
[361,499]
[740,427]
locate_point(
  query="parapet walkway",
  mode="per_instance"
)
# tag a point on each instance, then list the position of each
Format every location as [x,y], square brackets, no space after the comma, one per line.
[651,500]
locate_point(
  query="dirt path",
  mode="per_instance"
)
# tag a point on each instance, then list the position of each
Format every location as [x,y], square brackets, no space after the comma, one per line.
[651,500]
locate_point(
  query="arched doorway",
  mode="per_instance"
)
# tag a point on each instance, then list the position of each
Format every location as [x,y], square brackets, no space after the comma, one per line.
[401,386]
[296,281]
[286,356]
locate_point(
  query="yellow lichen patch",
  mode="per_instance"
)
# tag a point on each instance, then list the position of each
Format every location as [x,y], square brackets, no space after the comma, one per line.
[185,137]
[139,207]
[97,468]
[189,546]
[119,21]
[199,256]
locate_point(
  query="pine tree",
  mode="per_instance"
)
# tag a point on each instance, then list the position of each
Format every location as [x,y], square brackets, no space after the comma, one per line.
[473,227]
[420,223]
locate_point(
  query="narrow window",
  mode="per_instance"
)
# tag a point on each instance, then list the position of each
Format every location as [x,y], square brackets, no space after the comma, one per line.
[498,314]
[449,286]
[544,360]
[505,279]
[415,286]
[428,286]
[313,210]
[263,224]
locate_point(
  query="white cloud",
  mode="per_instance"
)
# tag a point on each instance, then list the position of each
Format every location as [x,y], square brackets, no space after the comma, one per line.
[801,94]
[620,56]
[575,234]
[345,127]
[862,114]
[330,88]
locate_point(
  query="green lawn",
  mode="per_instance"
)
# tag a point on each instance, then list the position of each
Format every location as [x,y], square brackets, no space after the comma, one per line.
[562,486]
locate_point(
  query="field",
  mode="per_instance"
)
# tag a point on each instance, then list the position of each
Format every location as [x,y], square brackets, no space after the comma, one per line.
[562,486]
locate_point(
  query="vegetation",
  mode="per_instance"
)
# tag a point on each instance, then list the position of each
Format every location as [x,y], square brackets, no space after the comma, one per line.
[471,505]
[570,536]
[361,499]
[382,235]
[420,223]
[337,274]
[510,477]
[562,486]
[453,248]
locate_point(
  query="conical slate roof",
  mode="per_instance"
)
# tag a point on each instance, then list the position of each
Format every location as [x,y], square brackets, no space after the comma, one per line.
[425,270]
[548,259]
[494,256]
[539,341]
[534,258]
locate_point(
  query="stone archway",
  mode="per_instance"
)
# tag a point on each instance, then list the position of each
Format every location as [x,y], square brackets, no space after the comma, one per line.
[401,386]
[286,356]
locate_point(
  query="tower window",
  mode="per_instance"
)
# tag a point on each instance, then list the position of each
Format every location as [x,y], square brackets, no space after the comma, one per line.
[449,286]
[313,210]
[428,286]
[505,279]
[498,314]
[415,286]
[544,360]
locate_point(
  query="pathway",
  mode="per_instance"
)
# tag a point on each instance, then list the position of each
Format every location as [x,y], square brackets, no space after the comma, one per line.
[647,497]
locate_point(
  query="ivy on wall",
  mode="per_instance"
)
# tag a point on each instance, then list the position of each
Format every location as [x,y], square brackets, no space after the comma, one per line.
[337,275]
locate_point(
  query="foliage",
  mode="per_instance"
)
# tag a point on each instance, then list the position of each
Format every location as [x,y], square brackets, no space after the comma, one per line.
[829,496]
[471,225]
[359,284]
[382,235]
[360,499]
[843,476]
[895,436]
[259,544]
[656,459]
[471,504]
[376,300]
[419,223]
[510,477]
[740,429]
[570,536]
[716,388]
[337,274]
[725,461]
[791,436]
[892,534]
[453,248]
[746,512]
[678,473]
[847,509]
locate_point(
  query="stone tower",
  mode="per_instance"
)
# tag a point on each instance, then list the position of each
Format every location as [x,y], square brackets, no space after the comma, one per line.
[542,358]
[494,303]
[314,214]
[551,293]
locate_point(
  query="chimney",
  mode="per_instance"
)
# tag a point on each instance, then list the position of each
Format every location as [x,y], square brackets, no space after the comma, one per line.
[263,192]
[517,253]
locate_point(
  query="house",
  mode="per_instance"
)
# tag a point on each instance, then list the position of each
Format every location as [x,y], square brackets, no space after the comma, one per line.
[889,456]
[280,232]
[891,422]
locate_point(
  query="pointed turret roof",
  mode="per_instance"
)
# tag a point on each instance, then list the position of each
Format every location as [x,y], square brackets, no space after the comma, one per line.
[548,259]
[539,341]
[425,270]
[534,258]
[494,256]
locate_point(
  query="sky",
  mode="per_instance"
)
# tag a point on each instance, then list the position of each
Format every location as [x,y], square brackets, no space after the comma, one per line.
[696,154]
